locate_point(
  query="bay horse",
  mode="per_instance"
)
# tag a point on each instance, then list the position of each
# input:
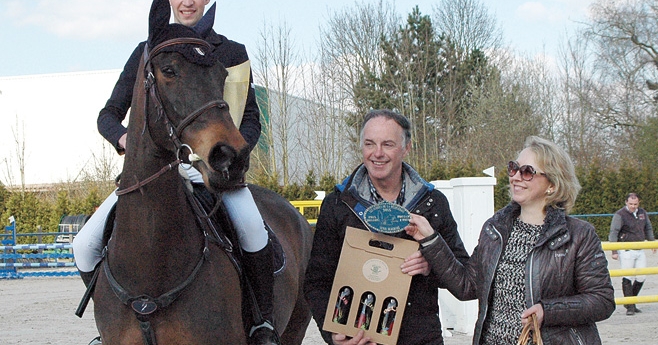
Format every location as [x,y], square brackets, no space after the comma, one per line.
[165,279]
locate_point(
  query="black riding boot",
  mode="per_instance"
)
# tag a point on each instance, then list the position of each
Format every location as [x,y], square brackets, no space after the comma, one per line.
[86,279]
[627,289]
[259,269]
[637,286]
[86,276]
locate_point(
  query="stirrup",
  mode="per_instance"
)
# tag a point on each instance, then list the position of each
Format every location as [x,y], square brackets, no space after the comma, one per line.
[263,333]
[264,324]
[96,341]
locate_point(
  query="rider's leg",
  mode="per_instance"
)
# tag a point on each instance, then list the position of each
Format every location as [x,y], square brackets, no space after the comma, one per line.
[257,250]
[255,244]
[88,243]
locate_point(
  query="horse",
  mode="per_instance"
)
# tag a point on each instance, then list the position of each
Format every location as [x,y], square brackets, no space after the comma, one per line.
[165,278]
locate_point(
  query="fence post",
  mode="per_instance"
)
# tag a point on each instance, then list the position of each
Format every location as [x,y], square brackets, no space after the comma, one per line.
[471,203]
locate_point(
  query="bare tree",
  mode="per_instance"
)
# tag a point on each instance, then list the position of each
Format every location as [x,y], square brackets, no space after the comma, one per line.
[469,25]
[351,43]
[278,73]
[624,41]
[18,157]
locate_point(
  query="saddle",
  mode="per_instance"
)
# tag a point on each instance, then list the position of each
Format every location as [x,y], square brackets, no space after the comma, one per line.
[222,222]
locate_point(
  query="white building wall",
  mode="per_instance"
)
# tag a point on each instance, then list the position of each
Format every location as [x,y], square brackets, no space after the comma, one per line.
[55,116]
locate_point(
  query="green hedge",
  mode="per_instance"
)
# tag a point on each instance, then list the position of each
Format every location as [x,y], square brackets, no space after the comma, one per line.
[603,192]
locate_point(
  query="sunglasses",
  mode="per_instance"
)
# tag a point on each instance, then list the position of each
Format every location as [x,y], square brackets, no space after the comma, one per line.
[527,172]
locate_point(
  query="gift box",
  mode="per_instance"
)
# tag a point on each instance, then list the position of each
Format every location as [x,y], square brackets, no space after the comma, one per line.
[370,291]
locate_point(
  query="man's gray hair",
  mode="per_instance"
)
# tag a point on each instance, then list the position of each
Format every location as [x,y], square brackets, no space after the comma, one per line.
[389,114]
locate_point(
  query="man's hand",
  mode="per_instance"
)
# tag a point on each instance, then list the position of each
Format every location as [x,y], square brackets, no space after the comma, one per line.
[415,264]
[615,256]
[359,339]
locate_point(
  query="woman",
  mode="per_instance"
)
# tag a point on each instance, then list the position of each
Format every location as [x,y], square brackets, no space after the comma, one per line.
[531,258]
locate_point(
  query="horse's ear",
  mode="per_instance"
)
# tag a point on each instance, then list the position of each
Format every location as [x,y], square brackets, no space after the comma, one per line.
[206,23]
[158,19]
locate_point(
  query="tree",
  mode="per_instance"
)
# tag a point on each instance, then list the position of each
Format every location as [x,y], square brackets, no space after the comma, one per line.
[469,25]
[433,82]
[625,41]
[277,73]
[409,83]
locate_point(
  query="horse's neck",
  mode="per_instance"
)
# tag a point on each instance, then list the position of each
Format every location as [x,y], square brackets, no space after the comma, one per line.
[154,223]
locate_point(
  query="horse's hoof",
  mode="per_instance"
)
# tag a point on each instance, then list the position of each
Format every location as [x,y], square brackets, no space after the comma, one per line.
[95,341]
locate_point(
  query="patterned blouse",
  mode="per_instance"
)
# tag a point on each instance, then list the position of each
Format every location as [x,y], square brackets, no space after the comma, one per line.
[503,322]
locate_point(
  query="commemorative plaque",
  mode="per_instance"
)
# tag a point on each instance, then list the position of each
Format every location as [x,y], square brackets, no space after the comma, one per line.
[387,217]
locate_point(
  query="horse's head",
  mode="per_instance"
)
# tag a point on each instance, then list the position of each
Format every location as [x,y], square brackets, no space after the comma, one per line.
[186,107]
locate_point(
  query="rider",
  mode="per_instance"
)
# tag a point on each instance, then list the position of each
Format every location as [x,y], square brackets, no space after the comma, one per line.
[246,219]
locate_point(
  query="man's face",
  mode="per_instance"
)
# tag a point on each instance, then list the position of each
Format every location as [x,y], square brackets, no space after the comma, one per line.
[632,204]
[188,12]
[383,149]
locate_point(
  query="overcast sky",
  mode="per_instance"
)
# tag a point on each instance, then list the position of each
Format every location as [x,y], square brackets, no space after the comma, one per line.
[53,36]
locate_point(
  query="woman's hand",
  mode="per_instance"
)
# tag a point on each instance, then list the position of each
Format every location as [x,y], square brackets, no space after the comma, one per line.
[419,227]
[536,309]
[358,339]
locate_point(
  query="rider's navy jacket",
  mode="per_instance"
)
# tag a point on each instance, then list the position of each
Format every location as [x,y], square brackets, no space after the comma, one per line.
[230,54]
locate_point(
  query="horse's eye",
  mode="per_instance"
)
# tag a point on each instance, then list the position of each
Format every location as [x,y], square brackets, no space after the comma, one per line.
[168,71]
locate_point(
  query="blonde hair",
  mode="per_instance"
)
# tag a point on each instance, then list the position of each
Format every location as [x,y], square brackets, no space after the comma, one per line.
[559,169]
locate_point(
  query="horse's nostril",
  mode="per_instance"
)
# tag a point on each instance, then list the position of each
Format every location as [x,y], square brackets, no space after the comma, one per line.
[221,157]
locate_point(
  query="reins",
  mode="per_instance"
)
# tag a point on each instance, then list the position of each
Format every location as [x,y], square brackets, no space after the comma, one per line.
[142,183]
[143,305]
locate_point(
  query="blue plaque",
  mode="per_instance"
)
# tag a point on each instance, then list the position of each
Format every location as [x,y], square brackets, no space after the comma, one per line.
[387,217]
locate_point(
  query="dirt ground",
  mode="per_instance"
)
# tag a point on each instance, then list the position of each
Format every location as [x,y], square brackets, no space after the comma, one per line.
[41,311]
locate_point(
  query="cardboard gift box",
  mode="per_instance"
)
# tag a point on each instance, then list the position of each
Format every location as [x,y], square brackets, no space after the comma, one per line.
[370,291]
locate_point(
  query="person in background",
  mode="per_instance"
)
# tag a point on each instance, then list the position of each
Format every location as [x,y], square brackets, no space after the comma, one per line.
[385,140]
[631,224]
[242,210]
[531,258]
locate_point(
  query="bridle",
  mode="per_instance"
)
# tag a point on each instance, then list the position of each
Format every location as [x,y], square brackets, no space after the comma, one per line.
[145,305]
[174,131]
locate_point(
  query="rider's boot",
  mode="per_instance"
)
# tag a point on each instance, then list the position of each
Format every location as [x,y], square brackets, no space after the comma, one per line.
[627,289]
[86,279]
[637,286]
[259,269]
[87,276]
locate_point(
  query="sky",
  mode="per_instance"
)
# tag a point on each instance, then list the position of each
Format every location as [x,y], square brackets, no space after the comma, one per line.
[54,36]
[60,59]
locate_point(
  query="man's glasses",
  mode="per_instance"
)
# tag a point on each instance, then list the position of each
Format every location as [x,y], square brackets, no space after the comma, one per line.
[527,172]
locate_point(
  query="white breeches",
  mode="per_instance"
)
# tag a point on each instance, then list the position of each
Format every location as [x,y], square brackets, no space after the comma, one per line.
[239,203]
[633,259]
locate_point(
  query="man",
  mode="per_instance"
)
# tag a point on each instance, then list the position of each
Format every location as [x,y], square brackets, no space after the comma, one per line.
[385,140]
[241,208]
[631,224]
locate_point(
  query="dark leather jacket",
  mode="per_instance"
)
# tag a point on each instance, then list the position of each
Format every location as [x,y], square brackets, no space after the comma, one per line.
[340,209]
[567,272]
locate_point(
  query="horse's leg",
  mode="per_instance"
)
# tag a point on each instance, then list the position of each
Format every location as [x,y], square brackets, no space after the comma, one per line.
[298,323]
